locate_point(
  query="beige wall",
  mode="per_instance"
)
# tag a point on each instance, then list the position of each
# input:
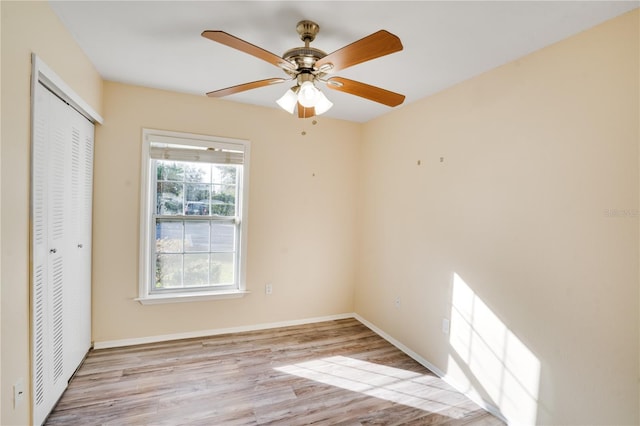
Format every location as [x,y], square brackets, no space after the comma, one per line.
[301,226]
[513,235]
[26,27]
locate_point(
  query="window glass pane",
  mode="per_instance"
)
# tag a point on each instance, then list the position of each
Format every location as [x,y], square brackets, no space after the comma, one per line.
[196,236]
[197,172]
[222,270]
[224,174]
[197,199]
[196,270]
[169,271]
[170,170]
[223,200]
[223,237]
[169,237]
[169,198]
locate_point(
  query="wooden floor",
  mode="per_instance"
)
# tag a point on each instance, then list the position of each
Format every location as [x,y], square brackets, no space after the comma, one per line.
[329,373]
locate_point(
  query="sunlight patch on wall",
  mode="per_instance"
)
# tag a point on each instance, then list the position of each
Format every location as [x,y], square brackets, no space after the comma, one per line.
[424,392]
[491,356]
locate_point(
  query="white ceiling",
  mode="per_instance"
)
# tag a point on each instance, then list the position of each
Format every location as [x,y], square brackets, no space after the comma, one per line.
[158,44]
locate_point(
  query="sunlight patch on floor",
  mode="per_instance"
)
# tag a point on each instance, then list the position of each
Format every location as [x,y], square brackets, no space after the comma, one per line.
[424,392]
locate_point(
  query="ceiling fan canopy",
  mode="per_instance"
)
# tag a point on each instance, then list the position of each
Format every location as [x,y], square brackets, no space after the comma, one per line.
[308,65]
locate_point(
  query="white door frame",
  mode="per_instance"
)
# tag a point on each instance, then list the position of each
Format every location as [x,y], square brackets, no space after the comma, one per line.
[45,75]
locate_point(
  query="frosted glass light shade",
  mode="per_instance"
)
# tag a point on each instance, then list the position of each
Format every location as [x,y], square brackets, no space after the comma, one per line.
[288,101]
[323,104]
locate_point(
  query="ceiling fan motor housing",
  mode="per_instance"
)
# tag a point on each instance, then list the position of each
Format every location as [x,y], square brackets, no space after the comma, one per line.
[303,57]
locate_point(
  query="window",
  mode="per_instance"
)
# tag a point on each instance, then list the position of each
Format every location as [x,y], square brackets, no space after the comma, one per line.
[193,217]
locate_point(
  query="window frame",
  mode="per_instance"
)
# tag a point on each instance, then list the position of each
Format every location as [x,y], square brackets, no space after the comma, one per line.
[146,292]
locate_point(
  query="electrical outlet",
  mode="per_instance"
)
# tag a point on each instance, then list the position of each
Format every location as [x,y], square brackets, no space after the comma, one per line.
[18,393]
[396,302]
[445,325]
[268,289]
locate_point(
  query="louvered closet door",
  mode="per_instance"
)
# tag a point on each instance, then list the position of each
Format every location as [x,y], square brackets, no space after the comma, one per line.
[78,285]
[49,250]
[62,161]
[42,378]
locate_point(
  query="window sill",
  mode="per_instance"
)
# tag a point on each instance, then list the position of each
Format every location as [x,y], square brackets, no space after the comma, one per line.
[156,299]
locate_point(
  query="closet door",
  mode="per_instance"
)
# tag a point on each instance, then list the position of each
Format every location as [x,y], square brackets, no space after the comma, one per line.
[40,341]
[78,285]
[62,162]
[49,198]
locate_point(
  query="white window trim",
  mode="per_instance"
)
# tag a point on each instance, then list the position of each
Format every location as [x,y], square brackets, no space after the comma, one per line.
[145,296]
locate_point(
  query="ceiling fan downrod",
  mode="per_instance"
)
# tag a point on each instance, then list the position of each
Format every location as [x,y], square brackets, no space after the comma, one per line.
[304,58]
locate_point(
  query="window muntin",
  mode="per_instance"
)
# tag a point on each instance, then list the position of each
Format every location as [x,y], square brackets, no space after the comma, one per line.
[196,209]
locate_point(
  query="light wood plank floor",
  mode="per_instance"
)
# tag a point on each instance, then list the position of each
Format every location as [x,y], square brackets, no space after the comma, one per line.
[330,373]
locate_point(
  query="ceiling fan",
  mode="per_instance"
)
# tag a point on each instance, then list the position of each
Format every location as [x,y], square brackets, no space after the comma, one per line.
[308,65]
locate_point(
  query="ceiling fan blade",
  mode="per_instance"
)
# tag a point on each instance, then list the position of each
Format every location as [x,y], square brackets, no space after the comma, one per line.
[246,47]
[305,112]
[367,91]
[242,87]
[378,44]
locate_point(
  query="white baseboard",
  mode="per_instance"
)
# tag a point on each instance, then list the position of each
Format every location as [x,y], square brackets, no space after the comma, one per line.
[448,379]
[213,332]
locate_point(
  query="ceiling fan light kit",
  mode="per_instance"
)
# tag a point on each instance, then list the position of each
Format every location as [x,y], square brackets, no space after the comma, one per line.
[308,65]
